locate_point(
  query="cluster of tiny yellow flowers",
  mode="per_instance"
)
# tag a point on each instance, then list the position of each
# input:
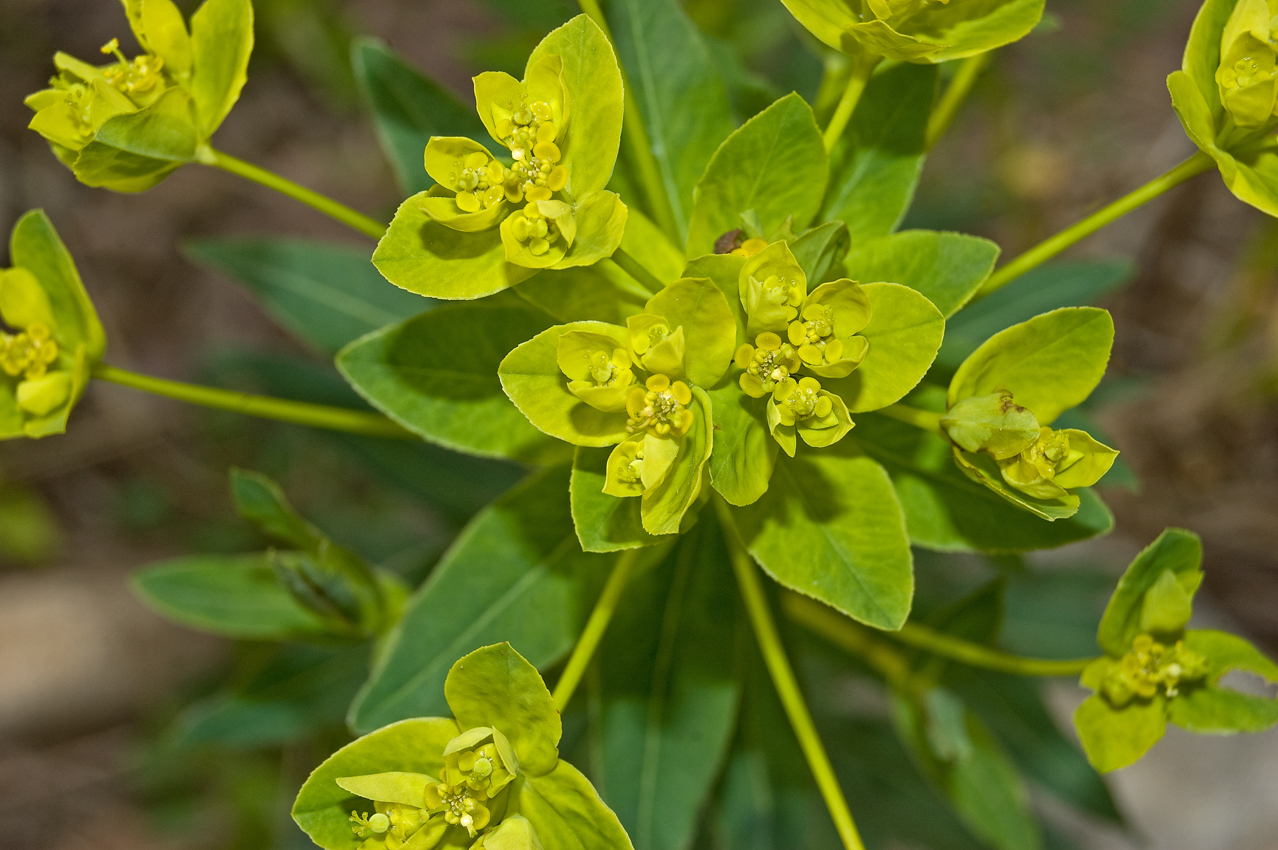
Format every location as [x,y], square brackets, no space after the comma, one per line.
[813,336]
[799,400]
[530,225]
[785,291]
[611,370]
[28,354]
[660,407]
[1150,667]
[481,182]
[1245,72]
[136,77]
[767,363]
[530,134]
[397,823]
[1039,460]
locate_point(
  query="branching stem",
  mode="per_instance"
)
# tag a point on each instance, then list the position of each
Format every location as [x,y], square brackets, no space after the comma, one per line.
[596,625]
[765,630]
[925,419]
[271,180]
[1044,251]
[638,271]
[265,407]
[960,86]
[857,638]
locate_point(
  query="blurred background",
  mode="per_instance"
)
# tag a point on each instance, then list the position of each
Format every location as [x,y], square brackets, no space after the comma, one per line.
[93,686]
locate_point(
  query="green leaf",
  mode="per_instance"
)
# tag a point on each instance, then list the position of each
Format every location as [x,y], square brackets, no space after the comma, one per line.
[875,169]
[531,376]
[261,501]
[1211,709]
[323,808]
[592,79]
[1068,283]
[604,523]
[664,507]
[324,294]
[947,268]
[904,333]
[668,689]
[221,41]
[984,470]
[821,250]
[1050,363]
[515,574]
[299,691]
[496,686]
[135,151]
[947,511]
[1014,709]
[679,92]
[408,108]
[1114,738]
[1176,550]
[773,166]
[35,246]
[567,813]
[232,595]
[961,757]
[437,376]
[702,310]
[831,528]
[426,257]
[598,293]
[744,452]
[725,271]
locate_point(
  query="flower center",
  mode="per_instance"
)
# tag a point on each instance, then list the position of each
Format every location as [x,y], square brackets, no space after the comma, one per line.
[136,77]
[660,407]
[530,134]
[1150,667]
[766,363]
[481,183]
[533,228]
[611,370]
[29,353]
[813,336]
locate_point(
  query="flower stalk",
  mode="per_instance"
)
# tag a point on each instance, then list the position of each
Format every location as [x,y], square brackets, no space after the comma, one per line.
[765,630]
[965,78]
[596,625]
[347,216]
[862,70]
[265,407]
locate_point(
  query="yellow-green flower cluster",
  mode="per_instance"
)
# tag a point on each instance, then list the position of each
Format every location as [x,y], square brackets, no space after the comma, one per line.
[1247,75]
[1150,668]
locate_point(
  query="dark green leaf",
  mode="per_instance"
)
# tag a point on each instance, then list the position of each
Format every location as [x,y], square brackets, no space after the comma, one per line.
[261,501]
[324,294]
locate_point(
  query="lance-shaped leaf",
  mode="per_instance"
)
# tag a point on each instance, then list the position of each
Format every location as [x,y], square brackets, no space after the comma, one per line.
[436,375]
[773,168]
[830,527]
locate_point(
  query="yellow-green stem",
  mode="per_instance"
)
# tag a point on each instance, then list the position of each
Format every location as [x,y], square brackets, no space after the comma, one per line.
[579,661]
[964,78]
[925,419]
[638,145]
[862,70]
[341,212]
[857,638]
[765,630]
[265,407]
[638,271]
[1044,251]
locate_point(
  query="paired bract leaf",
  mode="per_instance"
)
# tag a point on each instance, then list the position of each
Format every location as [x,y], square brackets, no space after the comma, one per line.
[56,340]
[773,168]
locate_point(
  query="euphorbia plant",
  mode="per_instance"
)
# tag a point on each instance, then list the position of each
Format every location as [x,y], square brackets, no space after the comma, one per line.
[722,357]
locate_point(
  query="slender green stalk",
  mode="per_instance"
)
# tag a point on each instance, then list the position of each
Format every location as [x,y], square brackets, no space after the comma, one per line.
[595,628]
[844,632]
[862,70]
[638,145]
[638,271]
[1044,251]
[344,214]
[943,115]
[925,419]
[266,407]
[765,630]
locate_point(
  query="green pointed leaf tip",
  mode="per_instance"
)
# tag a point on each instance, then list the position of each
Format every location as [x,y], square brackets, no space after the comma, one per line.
[1177,552]
[128,124]
[56,337]
[918,30]
[774,167]
[495,686]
